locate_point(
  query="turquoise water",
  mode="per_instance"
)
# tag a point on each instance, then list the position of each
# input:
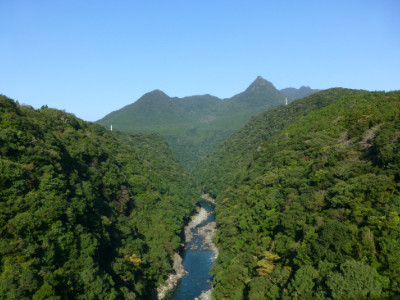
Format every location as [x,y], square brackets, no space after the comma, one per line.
[197,261]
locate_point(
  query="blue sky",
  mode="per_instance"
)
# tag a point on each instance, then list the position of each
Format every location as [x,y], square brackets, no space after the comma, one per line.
[93,57]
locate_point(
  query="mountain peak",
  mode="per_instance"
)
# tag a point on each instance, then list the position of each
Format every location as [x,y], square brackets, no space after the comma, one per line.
[258,83]
[158,93]
[153,97]
[261,80]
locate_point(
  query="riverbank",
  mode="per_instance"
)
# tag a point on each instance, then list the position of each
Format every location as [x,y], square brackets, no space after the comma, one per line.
[208,198]
[179,270]
[198,236]
[205,295]
[201,216]
[173,279]
[208,232]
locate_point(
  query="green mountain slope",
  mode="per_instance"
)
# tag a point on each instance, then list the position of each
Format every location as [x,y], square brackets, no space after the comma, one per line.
[303,91]
[194,125]
[308,200]
[85,213]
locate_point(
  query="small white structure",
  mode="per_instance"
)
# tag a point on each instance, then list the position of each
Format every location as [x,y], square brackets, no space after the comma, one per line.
[285,104]
[111,128]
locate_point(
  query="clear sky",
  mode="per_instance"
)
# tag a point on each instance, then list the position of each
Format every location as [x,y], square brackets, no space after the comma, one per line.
[92,57]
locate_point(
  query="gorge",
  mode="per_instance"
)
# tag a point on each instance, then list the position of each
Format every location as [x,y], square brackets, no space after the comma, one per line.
[307,204]
[199,255]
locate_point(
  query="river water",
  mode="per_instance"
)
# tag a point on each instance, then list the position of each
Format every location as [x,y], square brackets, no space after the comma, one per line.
[197,260]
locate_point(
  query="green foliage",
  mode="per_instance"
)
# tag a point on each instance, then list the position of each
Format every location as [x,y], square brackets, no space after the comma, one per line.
[299,93]
[316,183]
[355,280]
[85,213]
[193,126]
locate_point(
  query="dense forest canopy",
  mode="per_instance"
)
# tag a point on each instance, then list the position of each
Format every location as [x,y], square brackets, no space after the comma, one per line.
[85,213]
[308,200]
[195,125]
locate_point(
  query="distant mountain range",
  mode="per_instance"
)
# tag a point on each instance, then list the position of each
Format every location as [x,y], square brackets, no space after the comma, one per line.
[194,125]
[303,91]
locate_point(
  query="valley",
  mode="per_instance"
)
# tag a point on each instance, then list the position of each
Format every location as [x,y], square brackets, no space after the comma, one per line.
[307,200]
[195,125]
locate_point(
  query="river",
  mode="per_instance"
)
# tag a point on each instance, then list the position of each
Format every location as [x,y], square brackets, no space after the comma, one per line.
[199,255]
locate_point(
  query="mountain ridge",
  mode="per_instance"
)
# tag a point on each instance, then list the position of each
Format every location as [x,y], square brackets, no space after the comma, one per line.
[301,92]
[193,125]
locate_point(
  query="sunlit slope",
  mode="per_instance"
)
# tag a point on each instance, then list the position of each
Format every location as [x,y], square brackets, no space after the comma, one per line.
[194,125]
[308,200]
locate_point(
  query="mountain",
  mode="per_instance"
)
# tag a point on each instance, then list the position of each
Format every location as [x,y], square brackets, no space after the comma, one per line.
[261,93]
[194,125]
[303,91]
[308,200]
[155,111]
[85,213]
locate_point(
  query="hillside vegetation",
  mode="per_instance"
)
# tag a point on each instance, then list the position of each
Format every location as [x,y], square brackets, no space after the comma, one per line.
[193,126]
[308,200]
[303,91]
[85,213]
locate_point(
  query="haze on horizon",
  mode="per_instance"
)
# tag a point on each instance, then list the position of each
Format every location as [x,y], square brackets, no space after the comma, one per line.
[91,58]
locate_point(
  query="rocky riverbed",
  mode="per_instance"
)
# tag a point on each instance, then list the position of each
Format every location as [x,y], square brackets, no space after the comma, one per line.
[198,236]
[173,279]
[208,198]
[199,218]
[200,253]
[208,233]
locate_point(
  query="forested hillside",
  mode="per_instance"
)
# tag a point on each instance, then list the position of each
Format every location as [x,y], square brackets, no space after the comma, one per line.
[308,200]
[303,91]
[85,213]
[193,126]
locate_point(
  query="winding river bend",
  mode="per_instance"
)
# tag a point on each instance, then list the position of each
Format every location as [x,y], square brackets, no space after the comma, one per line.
[199,256]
